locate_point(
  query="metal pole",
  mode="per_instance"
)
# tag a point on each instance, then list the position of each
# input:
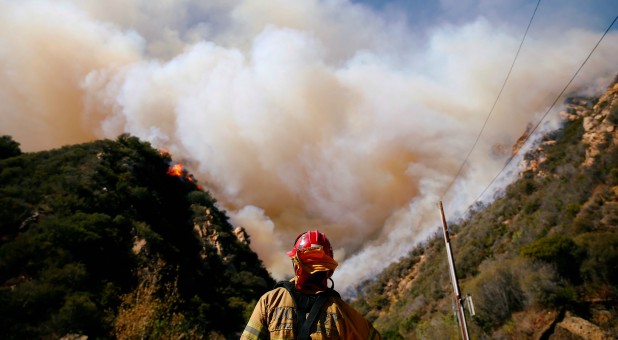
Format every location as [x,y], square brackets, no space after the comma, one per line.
[460,308]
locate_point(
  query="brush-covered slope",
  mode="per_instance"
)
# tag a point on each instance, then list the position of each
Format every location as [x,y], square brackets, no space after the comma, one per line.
[540,261]
[98,240]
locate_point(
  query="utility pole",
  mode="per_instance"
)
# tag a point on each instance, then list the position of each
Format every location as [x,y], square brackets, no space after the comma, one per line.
[463,327]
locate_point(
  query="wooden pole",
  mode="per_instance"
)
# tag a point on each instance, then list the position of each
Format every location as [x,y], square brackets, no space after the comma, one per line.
[460,308]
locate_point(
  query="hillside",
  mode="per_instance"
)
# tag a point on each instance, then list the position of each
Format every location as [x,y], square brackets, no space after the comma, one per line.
[102,240]
[540,261]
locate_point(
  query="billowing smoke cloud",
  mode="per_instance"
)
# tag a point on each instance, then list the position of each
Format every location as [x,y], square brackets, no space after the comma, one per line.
[296,114]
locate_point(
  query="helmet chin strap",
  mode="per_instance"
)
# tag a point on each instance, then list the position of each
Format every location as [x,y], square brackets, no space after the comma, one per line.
[296,265]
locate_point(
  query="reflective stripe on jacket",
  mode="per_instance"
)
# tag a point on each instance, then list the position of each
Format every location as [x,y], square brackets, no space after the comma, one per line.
[274,317]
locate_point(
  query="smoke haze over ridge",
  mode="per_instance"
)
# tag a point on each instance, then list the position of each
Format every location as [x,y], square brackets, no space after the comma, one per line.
[347,117]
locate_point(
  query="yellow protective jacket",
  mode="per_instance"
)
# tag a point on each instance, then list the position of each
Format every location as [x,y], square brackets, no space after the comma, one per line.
[274,317]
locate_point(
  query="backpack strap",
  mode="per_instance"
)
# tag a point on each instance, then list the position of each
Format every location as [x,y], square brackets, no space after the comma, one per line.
[305,321]
[305,329]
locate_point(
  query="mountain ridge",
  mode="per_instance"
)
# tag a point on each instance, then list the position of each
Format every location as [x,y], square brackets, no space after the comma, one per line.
[537,260]
[100,240]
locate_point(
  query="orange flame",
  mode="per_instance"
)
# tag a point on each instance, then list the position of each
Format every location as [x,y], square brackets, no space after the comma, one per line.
[176,170]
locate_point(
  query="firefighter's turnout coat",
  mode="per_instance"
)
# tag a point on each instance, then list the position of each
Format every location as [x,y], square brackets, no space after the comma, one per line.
[274,317]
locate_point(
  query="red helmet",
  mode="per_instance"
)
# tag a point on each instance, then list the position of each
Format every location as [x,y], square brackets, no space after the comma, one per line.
[311,239]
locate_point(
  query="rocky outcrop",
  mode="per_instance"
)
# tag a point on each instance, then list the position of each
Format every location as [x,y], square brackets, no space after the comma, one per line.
[600,125]
[535,157]
[599,121]
[241,235]
[576,328]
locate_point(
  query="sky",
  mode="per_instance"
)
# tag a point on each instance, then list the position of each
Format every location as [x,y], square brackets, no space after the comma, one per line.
[351,117]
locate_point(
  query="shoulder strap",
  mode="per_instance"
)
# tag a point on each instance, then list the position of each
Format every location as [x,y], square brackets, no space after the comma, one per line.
[305,323]
[285,284]
[305,330]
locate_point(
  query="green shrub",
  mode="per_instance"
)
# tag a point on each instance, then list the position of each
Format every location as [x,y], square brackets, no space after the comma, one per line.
[497,293]
[600,264]
[558,250]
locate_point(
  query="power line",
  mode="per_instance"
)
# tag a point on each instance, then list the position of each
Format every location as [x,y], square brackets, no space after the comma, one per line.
[550,108]
[495,102]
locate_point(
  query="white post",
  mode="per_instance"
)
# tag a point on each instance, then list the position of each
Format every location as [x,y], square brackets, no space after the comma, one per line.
[460,308]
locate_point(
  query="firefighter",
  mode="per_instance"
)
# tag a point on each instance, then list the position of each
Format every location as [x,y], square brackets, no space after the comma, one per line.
[305,307]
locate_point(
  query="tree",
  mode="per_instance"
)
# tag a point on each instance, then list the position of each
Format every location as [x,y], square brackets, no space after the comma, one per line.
[8,147]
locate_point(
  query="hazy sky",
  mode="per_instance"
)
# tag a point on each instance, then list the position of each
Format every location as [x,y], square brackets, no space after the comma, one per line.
[349,117]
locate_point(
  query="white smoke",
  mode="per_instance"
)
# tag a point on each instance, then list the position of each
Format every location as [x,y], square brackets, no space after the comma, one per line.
[298,115]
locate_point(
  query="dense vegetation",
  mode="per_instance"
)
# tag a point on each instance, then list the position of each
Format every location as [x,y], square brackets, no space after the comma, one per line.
[548,245]
[98,239]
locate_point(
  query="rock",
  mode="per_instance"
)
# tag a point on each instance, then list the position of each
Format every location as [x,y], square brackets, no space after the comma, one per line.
[138,245]
[573,327]
[74,337]
[242,235]
[588,123]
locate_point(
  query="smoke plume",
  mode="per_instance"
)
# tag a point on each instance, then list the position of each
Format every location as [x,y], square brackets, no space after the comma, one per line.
[332,115]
